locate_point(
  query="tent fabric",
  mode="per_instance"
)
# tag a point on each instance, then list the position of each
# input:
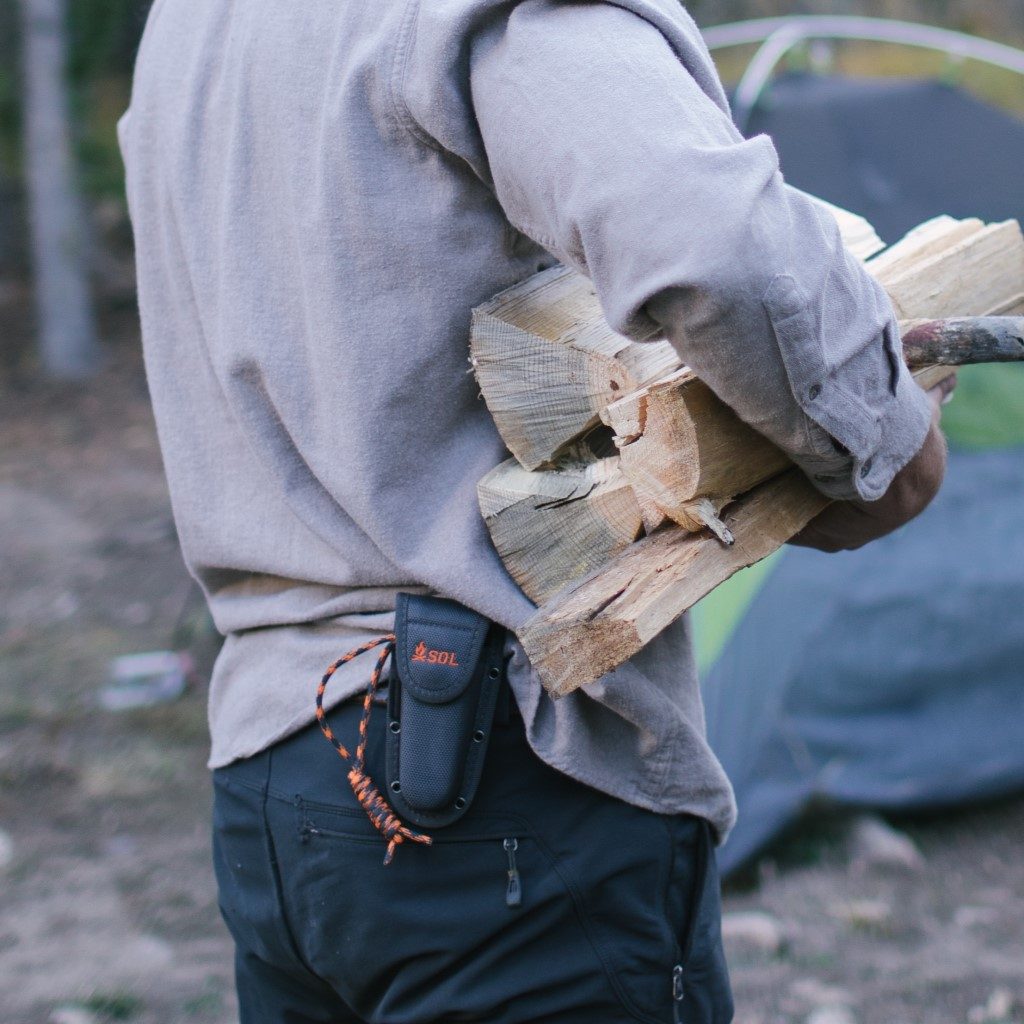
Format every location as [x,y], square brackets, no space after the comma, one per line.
[892,676]
[896,151]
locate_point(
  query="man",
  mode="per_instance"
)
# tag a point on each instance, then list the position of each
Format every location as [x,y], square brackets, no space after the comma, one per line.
[321,192]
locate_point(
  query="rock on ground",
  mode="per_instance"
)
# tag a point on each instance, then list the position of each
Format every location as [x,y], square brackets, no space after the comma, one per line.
[752,930]
[875,843]
[832,1015]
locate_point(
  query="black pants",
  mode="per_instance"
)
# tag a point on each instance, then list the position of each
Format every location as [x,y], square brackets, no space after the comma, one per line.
[614,899]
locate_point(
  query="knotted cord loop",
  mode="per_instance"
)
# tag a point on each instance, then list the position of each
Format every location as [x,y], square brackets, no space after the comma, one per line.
[377,808]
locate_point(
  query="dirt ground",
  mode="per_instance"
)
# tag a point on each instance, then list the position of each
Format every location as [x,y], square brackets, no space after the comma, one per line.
[107,903]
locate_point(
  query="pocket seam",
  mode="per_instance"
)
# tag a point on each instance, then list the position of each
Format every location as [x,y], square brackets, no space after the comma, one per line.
[590,930]
[303,821]
[665,892]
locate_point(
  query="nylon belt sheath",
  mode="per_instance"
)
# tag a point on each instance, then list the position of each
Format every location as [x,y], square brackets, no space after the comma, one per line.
[442,693]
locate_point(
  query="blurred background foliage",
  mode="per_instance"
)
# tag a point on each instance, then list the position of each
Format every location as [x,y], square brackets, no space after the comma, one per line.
[103,37]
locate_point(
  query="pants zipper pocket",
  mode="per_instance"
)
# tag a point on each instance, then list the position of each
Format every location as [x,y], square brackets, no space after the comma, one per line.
[514,888]
[685,947]
[678,994]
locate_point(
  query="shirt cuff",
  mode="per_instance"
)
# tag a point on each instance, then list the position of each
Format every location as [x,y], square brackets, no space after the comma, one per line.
[866,475]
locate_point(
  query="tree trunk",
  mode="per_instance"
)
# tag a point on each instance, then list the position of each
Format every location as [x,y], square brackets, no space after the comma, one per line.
[65,322]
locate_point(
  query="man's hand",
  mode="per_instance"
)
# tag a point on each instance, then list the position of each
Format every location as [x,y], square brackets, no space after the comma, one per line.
[847,525]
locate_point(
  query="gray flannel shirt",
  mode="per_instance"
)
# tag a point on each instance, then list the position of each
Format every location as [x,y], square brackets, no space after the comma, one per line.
[322,191]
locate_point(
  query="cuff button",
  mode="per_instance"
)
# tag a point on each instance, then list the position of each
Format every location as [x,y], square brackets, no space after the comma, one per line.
[813,391]
[866,468]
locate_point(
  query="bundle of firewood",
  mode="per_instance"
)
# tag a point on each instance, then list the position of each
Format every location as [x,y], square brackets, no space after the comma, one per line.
[634,491]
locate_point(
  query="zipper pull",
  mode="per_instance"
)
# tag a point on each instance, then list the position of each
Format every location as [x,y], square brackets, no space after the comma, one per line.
[514,891]
[678,994]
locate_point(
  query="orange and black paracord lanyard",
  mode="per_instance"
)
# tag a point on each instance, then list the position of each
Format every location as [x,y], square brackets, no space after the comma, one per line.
[376,807]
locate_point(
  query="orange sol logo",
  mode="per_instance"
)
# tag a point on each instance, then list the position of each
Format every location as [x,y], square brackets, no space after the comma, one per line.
[433,657]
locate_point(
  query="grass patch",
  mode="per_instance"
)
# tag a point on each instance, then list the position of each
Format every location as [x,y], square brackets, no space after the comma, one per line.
[716,617]
[204,1005]
[112,1006]
[988,408]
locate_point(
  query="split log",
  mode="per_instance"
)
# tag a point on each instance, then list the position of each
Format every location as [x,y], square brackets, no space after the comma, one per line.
[591,626]
[926,240]
[595,624]
[547,362]
[679,442]
[980,274]
[554,526]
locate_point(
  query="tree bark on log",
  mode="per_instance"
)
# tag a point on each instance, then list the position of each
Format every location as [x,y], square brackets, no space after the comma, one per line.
[960,342]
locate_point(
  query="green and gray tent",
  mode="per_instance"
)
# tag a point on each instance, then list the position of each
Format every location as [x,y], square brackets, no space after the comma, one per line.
[891,677]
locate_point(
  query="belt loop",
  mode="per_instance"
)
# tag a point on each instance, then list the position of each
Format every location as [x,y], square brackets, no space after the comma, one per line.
[503,712]
[507,707]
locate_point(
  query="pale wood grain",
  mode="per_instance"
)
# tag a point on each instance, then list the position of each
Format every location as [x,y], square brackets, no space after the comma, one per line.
[553,526]
[569,533]
[548,363]
[595,624]
[981,274]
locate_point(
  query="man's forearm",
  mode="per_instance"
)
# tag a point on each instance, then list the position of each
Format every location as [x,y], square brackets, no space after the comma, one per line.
[848,525]
[604,149]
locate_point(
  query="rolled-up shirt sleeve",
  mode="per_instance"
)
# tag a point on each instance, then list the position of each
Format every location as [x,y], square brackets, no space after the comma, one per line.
[603,147]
